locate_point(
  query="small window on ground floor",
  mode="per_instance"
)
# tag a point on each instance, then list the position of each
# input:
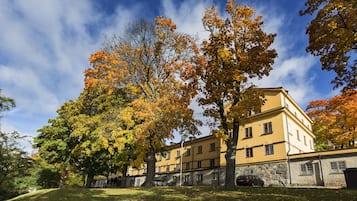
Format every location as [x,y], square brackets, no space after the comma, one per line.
[215,176]
[187,178]
[306,169]
[199,178]
[338,166]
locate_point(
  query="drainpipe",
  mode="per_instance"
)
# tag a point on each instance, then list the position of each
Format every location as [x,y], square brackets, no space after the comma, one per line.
[322,173]
[182,143]
[288,152]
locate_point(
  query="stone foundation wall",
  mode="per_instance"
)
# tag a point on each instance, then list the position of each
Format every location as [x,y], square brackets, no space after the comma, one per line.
[273,173]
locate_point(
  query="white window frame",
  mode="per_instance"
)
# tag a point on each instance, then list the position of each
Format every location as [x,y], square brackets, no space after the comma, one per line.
[212,163]
[215,176]
[199,164]
[199,149]
[212,147]
[249,152]
[248,132]
[186,178]
[268,128]
[306,169]
[269,149]
[338,166]
[199,177]
[187,165]
[188,152]
[159,157]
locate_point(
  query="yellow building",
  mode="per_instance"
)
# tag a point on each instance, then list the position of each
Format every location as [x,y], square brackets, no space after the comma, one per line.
[281,128]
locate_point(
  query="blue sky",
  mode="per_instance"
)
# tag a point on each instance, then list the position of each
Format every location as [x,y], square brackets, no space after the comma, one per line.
[45,45]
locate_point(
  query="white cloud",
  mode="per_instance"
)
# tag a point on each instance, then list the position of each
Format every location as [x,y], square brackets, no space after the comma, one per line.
[44,50]
[30,93]
[292,69]
[188,16]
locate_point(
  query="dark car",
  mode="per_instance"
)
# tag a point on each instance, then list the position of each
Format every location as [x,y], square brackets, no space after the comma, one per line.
[249,180]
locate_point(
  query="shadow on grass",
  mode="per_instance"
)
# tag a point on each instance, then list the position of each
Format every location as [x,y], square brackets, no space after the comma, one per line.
[82,194]
[188,193]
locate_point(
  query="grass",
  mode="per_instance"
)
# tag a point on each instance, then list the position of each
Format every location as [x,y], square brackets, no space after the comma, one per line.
[187,193]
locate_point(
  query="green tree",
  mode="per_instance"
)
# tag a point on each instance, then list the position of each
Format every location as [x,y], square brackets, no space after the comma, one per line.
[157,66]
[236,51]
[14,161]
[6,103]
[85,137]
[55,146]
[333,38]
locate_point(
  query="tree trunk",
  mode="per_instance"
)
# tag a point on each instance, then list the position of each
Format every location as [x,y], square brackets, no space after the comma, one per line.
[231,157]
[150,175]
[89,181]
[123,181]
[63,177]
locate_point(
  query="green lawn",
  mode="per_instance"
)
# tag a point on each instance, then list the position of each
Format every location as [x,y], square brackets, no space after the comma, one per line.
[187,193]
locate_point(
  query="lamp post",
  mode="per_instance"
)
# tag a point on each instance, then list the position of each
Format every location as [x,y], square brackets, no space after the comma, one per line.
[182,142]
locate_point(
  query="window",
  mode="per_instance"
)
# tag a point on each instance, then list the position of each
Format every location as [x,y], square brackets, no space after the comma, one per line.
[212,147]
[269,149]
[174,179]
[338,166]
[187,178]
[199,178]
[211,163]
[268,128]
[177,166]
[297,135]
[249,113]
[159,157]
[178,153]
[248,132]
[248,171]
[188,152]
[215,176]
[310,144]
[306,169]
[199,149]
[249,152]
[158,169]
[167,168]
[187,165]
[167,155]
[305,140]
[199,164]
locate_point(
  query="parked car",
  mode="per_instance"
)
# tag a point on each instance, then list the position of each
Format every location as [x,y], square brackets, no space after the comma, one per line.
[249,180]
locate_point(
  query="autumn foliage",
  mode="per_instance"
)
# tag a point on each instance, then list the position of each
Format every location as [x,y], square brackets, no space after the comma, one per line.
[335,120]
[158,67]
[333,38]
[237,51]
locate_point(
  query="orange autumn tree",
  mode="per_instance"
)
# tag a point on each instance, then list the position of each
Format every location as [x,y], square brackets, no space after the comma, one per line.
[333,37]
[157,66]
[236,51]
[335,120]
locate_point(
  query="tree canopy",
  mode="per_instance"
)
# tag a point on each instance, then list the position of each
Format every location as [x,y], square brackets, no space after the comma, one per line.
[334,120]
[157,66]
[333,38]
[6,103]
[14,161]
[236,51]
